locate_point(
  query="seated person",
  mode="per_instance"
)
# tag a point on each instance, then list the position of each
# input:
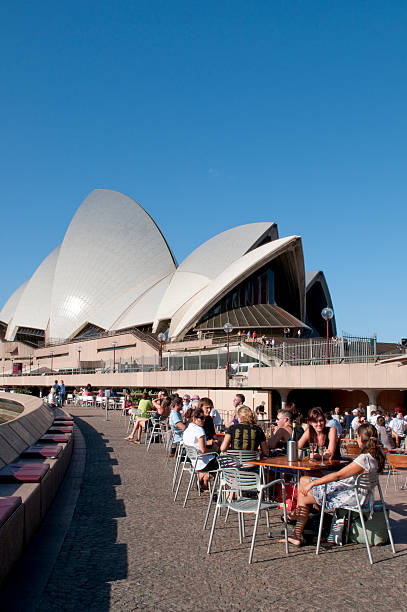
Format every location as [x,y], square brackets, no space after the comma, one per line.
[384,434]
[318,433]
[246,435]
[283,431]
[311,490]
[194,435]
[206,404]
[261,411]
[332,422]
[176,421]
[398,428]
[162,409]
[143,415]
[128,404]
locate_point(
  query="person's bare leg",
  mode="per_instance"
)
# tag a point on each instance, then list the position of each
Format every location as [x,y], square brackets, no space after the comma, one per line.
[303,509]
[133,431]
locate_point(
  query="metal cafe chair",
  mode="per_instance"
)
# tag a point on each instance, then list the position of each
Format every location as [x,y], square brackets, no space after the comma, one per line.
[167,438]
[188,464]
[364,484]
[155,430]
[242,456]
[397,465]
[224,461]
[180,454]
[235,482]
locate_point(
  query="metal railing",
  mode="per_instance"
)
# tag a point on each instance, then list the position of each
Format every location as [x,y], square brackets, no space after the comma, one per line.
[316,352]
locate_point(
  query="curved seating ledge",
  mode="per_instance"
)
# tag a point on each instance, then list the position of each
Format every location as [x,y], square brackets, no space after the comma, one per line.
[34,456]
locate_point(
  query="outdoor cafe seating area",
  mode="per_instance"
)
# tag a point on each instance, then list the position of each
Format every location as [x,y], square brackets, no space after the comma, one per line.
[257,494]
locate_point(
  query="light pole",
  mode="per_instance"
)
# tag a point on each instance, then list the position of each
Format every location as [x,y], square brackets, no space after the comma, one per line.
[79,358]
[114,344]
[327,314]
[52,359]
[227,328]
[161,338]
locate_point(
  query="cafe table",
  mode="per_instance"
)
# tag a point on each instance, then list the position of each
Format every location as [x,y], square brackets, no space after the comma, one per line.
[282,464]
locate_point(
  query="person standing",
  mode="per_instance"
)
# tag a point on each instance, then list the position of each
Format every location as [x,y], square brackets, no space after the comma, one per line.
[55,392]
[62,393]
[238,401]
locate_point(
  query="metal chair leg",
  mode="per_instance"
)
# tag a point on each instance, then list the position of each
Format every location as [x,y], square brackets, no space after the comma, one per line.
[362,520]
[321,522]
[211,500]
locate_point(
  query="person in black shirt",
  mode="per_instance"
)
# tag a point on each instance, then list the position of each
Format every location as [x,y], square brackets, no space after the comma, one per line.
[206,404]
[246,435]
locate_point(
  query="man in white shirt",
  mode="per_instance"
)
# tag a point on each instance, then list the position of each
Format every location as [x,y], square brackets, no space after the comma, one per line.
[356,421]
[398,428]
[373,418]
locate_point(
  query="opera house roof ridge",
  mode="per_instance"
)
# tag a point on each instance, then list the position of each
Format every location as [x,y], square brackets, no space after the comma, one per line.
[123,274]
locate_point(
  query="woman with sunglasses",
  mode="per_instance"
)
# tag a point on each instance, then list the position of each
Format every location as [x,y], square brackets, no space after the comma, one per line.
[320,435]
[194,435]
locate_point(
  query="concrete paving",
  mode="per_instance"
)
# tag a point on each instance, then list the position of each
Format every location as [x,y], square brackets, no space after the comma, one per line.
[130,547]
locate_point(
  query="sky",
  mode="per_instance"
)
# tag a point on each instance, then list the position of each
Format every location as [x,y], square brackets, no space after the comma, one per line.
[212,115]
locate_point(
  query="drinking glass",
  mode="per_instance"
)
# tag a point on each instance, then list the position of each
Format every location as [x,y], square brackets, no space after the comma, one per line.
[322,451]
[312,447]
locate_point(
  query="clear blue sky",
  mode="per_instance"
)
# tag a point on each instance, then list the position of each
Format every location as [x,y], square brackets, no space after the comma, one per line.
[212,115]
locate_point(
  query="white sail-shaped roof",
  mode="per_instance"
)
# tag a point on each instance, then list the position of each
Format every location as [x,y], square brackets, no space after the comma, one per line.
[208,260]
[191,311]
[33,308]
[8,310]
[111,245]
[143,309]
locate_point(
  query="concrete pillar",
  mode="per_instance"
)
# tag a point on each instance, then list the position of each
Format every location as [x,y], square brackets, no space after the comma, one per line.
[372,394]
[284,395]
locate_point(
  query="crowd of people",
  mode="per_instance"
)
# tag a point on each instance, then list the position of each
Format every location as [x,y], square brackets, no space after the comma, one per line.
[196,423]
[193,422]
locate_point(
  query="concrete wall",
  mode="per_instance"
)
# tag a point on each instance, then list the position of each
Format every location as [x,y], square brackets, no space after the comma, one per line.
[67,355]
[337,376]
[19,433]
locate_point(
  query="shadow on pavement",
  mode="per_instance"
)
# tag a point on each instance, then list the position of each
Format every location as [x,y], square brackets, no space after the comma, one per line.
[90,558]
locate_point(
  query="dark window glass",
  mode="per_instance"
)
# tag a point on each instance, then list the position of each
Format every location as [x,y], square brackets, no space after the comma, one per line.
[256,290]
[263,289]
[248,293]
[270,282]
[235,300]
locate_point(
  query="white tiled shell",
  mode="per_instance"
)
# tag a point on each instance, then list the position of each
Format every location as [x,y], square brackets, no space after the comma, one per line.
[143,308]
[229,277]
[207,261]
[111,245]
[33,307]
[9,308]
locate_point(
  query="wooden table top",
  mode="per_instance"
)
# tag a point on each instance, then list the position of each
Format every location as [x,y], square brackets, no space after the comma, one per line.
[307,466]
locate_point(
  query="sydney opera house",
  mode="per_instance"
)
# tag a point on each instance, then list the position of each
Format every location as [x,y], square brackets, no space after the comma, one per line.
[115,271]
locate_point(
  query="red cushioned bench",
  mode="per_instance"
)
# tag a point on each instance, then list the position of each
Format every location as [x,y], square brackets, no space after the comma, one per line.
[24,472]
[54,437]
[60,429]
[64,418]
[43,450]
[62,423]
[8,505]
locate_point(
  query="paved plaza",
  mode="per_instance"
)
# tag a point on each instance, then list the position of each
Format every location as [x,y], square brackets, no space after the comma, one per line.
[130,547]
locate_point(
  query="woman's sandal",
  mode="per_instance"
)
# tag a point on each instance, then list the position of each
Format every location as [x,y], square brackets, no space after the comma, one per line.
[290,521]
[291,517]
